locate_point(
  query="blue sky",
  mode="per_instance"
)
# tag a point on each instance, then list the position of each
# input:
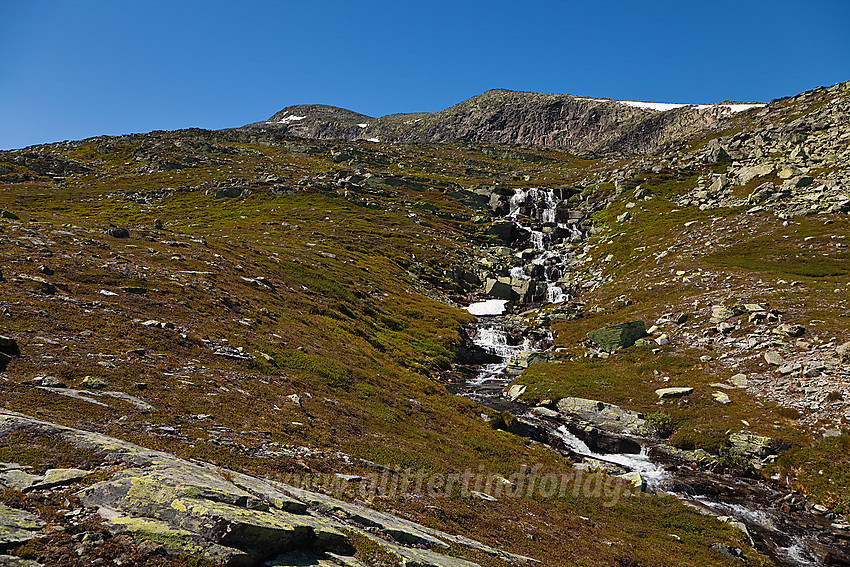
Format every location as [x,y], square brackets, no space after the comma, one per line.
[74,69]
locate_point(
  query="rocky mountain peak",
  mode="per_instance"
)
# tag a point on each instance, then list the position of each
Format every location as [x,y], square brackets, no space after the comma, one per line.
[575,123]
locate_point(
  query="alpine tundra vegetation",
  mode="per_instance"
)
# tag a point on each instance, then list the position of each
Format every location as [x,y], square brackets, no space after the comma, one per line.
[250,346]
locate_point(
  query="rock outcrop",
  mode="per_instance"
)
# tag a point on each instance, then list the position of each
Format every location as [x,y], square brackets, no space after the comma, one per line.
[577,124]
[206,511]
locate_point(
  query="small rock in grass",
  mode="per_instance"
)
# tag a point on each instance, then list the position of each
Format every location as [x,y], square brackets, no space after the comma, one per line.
[60,477]
[793,330]
[844,352]
[739,380]
[721,397]
[773,357]
[665,393]
[94,383]
[118,232]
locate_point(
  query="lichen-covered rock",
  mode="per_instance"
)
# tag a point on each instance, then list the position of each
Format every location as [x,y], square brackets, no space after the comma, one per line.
[12,561]
[59,477]
[665,393]
[843,352]
[619,336]
[524,359]
[12,475]
[17,526]
[720,313]
[200,501]
[749,445]
[204,511]
[607,417]
[174,540]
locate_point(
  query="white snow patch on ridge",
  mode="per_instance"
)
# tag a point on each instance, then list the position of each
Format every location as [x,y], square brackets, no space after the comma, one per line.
[662,106]
[291,118]
[362,125]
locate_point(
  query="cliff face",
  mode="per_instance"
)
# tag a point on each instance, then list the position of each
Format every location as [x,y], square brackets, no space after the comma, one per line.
[509,117]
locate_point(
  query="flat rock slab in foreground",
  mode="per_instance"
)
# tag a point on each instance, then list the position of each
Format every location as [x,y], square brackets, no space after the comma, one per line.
[204,511]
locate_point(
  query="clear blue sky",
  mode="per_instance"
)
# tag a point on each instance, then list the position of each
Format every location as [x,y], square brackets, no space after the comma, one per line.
[78,68]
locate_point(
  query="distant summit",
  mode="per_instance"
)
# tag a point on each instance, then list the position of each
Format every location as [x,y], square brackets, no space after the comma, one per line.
[578,124]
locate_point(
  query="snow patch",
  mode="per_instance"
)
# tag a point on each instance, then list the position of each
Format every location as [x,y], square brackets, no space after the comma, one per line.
[487,308]
[362,125]
[664,106]
[373,139]
[734,107]
[291,118]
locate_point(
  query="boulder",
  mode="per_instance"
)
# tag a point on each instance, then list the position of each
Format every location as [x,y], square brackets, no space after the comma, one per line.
[94,383]
[498,288]
[720,313]
[666,393]
[844,352]
[9,349]
[118,232]
[503,230]
[231,193]
[59,477]
[514,391]
[8,215]
[739,381]
[715,153]
[721,397]
[12,475]
[773,358]
[606,417]
[619,336]
[514,289]
[792,330]
[524,359]
[762,193]
[17,526]
[749,445]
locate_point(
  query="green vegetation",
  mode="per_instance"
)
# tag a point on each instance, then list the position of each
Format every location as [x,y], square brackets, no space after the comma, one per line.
[315,310]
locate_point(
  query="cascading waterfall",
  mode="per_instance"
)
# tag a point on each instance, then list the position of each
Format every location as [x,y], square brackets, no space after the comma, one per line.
[530,209]
[518,273]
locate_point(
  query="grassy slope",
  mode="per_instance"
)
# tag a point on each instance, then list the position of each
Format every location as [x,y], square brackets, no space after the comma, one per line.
[349,328]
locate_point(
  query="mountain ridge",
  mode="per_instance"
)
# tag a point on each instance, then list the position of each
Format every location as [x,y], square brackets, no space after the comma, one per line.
[575,123]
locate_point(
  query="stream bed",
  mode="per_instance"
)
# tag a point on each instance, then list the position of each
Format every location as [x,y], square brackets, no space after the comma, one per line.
[536,273]
[790,540]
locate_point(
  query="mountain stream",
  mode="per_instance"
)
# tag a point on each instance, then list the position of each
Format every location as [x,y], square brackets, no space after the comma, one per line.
[790,540]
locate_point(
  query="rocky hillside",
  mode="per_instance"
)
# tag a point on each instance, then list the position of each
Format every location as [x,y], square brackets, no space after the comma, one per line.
[572,123]
[241,346]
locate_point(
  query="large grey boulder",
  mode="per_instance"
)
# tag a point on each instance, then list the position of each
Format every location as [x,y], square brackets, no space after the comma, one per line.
[619,336]
[606,417]
[514,289]
[503,230]
[753,446]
